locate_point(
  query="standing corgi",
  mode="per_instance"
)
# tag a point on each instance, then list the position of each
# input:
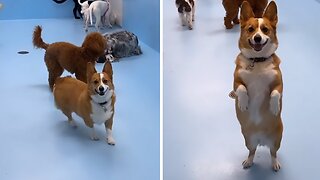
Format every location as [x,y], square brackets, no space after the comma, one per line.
[94,101]
[186,10]
[258,83]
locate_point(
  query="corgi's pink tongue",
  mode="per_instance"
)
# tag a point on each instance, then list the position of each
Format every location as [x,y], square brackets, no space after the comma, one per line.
[257,47]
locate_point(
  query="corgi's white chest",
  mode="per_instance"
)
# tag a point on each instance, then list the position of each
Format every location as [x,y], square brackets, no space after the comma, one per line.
[101,113]
[257,81]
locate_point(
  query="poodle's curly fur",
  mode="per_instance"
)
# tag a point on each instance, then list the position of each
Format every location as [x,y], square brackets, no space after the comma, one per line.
[232,9]
[64,55]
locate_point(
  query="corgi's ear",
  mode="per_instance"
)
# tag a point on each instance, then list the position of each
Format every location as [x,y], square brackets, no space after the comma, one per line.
[108,69]
[271,13]
[90,70]
[246,12]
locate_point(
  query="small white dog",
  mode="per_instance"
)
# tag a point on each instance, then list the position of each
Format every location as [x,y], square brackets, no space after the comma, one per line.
[99,9]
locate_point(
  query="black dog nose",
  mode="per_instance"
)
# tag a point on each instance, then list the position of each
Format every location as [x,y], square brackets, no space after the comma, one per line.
[101,88]
[257,38]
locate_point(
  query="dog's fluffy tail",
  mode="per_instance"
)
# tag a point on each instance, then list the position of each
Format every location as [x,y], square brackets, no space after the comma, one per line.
[37,40]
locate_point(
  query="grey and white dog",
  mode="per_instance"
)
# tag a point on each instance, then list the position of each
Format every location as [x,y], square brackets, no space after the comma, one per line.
[121,44]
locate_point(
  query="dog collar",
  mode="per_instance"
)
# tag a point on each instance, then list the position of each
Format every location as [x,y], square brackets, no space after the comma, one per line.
[259,59]
[256,60]
[104,103]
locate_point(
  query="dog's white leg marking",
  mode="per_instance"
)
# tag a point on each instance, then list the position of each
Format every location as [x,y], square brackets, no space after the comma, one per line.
[110,139]
[189,19]
[243,99]
[193,10]
[181,15]
[248,162]
[275,102]
[72,123]
[93,134]
[275,164]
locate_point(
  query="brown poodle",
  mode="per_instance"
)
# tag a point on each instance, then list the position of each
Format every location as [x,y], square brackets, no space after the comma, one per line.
[232,9]
[64,55]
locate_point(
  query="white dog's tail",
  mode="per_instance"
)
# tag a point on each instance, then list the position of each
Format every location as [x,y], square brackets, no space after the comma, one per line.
[90,14]
[80,3]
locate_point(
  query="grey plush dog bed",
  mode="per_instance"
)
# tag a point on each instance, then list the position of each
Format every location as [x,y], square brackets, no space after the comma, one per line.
[120,44]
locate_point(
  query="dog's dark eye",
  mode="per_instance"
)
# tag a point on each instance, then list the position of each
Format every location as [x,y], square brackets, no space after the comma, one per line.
[265,30]
[96,82]
[105,81]
[250,29]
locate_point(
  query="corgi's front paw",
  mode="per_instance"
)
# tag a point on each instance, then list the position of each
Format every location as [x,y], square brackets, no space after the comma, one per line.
[111,141]
[275,165]
[243,101]
[247,163]
[275,102]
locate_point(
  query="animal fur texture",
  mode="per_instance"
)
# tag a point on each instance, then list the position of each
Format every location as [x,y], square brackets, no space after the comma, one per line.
[186,10]
[122,44]
[64,55]
[100,10]
[232,9]
[258,83]
[93,101]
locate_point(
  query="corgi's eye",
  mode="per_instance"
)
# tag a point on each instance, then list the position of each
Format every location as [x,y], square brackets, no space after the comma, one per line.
[105,81]
[265,30]
[250,29]
[96,82]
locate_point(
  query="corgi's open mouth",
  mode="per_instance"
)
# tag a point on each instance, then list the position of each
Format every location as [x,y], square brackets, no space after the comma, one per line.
[258,46]
[101,93]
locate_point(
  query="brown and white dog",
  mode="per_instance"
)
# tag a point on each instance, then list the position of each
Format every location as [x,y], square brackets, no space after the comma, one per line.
[232,9]
[94,101]
[186,10]
[258,83]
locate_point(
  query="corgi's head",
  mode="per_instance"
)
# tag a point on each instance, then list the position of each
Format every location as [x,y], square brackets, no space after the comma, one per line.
[258,35]
[100,85]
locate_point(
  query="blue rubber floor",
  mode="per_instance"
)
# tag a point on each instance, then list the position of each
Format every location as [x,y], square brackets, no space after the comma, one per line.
[202,138]
[37,143]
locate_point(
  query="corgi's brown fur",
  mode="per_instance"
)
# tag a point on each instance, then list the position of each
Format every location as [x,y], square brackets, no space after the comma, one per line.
[94,101]
[258,83]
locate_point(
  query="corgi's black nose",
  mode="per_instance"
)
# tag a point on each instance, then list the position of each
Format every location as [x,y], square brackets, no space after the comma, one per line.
[101,89]
[257,38]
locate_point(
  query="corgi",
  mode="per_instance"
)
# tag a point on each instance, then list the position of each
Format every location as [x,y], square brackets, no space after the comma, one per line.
[94,101]
[257,85]
[232,8]
[186,10]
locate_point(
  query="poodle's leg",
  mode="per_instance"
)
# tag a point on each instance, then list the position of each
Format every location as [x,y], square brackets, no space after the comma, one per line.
[81,75]
[232,10]
[258,9]
[54,69]
[236,19]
